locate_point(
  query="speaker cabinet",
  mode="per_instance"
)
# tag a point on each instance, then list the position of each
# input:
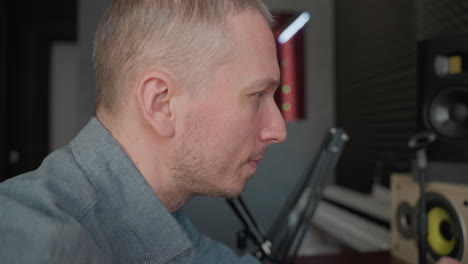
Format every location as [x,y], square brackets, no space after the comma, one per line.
[443,96]
[447,218]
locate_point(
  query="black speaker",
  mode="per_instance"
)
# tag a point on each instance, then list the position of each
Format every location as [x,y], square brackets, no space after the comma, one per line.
[443,96]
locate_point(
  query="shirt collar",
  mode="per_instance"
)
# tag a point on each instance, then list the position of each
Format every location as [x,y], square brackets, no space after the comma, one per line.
[131,207]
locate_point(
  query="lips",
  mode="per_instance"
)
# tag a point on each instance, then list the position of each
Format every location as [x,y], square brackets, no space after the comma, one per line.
[254,163]
[255,159]
[258,156]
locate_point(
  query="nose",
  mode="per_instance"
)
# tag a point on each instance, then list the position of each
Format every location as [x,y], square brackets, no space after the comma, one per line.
[274,129]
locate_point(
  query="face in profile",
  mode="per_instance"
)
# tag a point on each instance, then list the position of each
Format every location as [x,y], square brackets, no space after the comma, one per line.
[227,130]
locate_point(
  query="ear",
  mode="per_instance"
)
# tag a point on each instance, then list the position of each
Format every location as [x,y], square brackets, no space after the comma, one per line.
[154,96]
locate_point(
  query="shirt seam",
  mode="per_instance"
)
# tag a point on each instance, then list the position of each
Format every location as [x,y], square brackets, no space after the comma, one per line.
[85,170]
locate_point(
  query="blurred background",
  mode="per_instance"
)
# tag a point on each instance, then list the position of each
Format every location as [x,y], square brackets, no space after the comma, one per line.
[355,65]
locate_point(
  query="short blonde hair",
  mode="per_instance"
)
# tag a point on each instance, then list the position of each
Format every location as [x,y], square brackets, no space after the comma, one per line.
[185,37]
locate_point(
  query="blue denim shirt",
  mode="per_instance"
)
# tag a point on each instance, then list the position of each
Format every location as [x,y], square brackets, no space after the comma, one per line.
[88,203]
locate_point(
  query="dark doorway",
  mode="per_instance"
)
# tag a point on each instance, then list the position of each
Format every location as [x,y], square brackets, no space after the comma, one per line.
[28,29]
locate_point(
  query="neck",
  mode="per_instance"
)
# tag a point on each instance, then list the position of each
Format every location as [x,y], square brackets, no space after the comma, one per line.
[174,200]
[149,154]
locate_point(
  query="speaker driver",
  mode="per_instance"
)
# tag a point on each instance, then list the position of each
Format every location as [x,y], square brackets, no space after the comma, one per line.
[444,234]
[447,219]
[448,112]
[440,231]
[406,220]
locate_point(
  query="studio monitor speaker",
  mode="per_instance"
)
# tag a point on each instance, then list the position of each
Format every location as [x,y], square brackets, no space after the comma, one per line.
[443,96]
[447,219]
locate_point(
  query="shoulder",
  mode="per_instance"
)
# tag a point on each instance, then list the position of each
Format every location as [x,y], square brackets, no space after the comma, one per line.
[209,251]
[32,236]
[40,212]
[58,186]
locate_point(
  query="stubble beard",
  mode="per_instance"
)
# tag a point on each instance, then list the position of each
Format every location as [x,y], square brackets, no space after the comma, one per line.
[190,168]
[193,162]
[188,178]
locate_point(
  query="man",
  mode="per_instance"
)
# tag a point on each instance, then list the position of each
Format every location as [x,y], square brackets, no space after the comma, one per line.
[184,107]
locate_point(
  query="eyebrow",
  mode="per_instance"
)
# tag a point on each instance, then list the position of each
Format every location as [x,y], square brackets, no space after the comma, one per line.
[264,84]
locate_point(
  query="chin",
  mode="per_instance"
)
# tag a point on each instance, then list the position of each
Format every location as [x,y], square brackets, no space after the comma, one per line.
[233,194]
[237,190]
[226,192]
[221,189]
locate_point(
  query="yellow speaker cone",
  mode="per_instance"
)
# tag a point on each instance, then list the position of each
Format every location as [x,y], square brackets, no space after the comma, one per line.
[440,234]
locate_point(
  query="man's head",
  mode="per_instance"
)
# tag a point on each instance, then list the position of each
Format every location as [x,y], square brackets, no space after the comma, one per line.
[187,38]
[205,110]
[227,130]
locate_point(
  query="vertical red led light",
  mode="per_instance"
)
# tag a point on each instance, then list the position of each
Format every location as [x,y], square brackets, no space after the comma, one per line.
[291,95]
[288,91]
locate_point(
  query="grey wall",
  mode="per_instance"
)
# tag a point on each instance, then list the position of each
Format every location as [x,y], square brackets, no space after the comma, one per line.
[90,12]
[284,163]
[64,84]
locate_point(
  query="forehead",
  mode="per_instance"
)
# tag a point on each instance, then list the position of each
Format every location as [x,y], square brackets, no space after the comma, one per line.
[255,62]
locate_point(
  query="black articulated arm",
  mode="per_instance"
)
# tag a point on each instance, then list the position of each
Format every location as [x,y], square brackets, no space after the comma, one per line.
[310,189]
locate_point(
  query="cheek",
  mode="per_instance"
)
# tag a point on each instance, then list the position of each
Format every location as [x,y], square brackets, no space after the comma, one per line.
[228,125]
[240,128]
[230,140]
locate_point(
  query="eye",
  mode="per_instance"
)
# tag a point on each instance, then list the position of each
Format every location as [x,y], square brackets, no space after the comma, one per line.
[260,94]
